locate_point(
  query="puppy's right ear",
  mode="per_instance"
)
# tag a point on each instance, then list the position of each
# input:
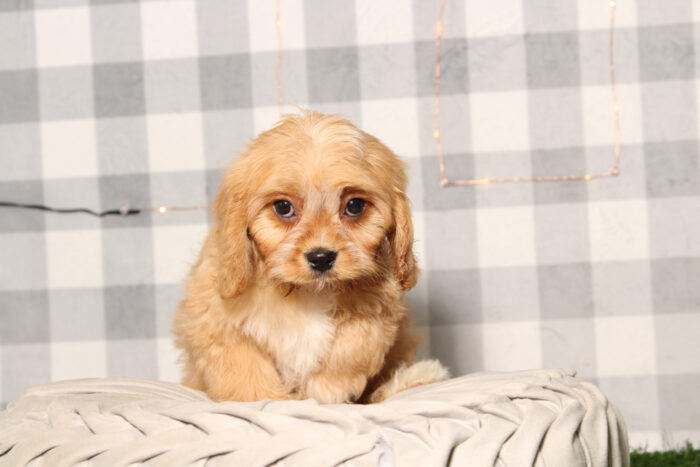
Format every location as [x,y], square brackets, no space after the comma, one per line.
[235,252]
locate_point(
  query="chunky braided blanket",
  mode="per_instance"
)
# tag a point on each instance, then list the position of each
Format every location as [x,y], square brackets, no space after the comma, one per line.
[527,418]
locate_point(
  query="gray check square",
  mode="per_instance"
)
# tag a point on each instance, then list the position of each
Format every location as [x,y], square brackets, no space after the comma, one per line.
[679,404]
[329,23]
[18,96]
[226,134]
[122,146]
[630,184]
[674,227]
[332,75]
[622,288]
[566,343]
[24,366]
[561,233]
[18,31]
[552,60]
[38,4]
[672,168]
[455,128]
[675,285]
[652,12]
[666,52]
[454,296]
[415,183]
[68,193]
[496,63]
[387,71]
[555,117]
[167,300]
[76,315]
[444,230]
[557,162]
[130,312]
[667,117]
[66,93]
[509,294]
[116,32]
[22,220]
[549,15]
[172,86]
[437,197]
[23,262]
[128,257]
[565,290]
[115,190]
[222,27]
[132,359]
[225,82]
[21,153]
[594,48]
[292,77]
[180,189]
[637,398]
[119,90]
[503,165]
[25,316]
[16,5]
[459,347]
[454,67]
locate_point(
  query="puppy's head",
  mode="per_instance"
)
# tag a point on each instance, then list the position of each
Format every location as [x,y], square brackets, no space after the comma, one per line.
[314,202]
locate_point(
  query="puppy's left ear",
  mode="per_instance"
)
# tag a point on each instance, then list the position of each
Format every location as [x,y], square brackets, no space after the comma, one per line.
[235,253]
[402,243]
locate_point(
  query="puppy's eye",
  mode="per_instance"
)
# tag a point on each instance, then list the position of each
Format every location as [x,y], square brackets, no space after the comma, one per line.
[283,208]
[355,207]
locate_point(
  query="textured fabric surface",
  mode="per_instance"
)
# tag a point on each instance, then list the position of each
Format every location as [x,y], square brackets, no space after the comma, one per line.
[538,418]
[107,102]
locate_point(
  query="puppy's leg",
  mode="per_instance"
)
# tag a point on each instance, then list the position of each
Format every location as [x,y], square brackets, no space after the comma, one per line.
[407,377]
[240,371]
[357,353]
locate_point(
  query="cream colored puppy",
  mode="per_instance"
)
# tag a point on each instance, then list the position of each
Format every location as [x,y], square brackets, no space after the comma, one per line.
[299,288]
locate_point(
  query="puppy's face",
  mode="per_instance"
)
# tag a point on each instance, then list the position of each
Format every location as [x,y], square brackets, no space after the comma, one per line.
[317,203]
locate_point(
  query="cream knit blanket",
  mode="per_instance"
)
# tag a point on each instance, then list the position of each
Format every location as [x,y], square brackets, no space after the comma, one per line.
[544,418]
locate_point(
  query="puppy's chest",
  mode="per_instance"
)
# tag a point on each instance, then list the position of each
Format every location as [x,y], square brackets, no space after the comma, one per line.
[297,333]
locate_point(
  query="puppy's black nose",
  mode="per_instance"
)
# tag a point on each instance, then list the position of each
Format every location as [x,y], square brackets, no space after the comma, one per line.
[321,260]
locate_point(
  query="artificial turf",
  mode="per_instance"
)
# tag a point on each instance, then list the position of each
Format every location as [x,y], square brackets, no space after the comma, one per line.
[687,456]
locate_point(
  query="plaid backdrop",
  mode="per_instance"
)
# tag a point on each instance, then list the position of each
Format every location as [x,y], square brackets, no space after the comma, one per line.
[105,102]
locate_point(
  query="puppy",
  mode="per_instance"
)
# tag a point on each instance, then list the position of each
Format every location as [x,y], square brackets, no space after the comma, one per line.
[299,288]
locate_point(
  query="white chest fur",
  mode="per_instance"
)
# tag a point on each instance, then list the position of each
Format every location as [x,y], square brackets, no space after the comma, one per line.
[297,330]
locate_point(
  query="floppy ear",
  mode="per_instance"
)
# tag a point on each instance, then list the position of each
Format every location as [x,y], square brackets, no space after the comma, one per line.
[402,243]
[235,252]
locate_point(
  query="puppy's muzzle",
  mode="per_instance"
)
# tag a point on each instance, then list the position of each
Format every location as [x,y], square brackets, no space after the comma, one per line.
[321,260]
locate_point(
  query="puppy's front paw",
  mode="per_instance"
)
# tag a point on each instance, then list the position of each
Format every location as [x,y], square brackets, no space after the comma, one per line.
[328,390]
[407,377]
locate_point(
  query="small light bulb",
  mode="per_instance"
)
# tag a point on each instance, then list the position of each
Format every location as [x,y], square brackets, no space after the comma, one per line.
[162,209]
[278,24]
[617,108]
[612,4]
[586,177]
[436,134]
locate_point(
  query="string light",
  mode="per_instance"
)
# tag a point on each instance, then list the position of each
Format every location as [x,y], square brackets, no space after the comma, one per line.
[445,181]
[278,28]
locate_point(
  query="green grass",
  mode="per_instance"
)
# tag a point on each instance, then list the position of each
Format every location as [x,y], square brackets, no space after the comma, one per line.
[687,456]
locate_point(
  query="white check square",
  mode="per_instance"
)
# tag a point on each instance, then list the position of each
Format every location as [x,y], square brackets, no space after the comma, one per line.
[169,29]
[499,121]
[74,258]
[62,36]
[175,142]
[69,149]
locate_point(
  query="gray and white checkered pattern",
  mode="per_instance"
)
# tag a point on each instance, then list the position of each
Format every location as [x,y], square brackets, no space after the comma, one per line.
[103,102]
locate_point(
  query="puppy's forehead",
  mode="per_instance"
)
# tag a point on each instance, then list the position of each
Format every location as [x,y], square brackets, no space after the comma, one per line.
[321,160]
